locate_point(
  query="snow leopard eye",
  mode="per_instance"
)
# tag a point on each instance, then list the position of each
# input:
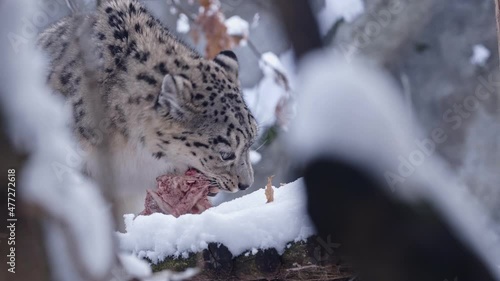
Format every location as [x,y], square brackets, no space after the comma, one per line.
[227,156]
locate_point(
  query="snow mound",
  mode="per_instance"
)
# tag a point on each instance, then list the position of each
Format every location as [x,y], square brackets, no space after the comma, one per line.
[242,224]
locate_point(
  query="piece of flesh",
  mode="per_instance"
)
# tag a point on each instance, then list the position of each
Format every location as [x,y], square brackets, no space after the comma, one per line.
[179,195]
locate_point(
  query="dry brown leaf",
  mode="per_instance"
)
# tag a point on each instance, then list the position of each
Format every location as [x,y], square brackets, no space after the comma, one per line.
[269,190]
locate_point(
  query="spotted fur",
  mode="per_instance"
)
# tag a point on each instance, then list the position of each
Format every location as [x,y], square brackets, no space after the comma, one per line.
[167,108]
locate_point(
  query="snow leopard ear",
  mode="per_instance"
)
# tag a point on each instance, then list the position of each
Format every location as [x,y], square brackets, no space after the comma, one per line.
[229,61]
[173,97]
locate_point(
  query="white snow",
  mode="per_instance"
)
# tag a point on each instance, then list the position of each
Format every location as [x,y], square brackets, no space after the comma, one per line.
[480,55]
[183,24]
[236,26]
[255,157]
[336,9]
[264,98]
[367,124]
[242,224]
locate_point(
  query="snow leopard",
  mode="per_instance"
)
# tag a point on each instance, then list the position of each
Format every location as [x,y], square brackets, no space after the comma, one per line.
[167,108]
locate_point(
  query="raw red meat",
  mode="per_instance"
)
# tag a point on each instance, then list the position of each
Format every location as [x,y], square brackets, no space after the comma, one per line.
[178,195]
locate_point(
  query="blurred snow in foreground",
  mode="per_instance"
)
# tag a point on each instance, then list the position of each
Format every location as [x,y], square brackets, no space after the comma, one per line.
[134,266]
[183,24]
[77,222]
[242,224]
[75,212]
[353,112]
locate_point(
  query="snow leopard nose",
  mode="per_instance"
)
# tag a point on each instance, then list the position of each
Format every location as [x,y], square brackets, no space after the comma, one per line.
[243,186]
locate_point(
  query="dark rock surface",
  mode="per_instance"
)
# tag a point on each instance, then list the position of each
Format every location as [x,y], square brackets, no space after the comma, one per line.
[315,259]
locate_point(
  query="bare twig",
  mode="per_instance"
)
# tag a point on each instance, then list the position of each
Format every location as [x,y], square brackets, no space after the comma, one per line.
[302,267]
[253,48]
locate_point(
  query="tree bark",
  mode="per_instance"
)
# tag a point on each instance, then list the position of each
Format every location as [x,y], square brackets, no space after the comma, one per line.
[314,259]
[301,26]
